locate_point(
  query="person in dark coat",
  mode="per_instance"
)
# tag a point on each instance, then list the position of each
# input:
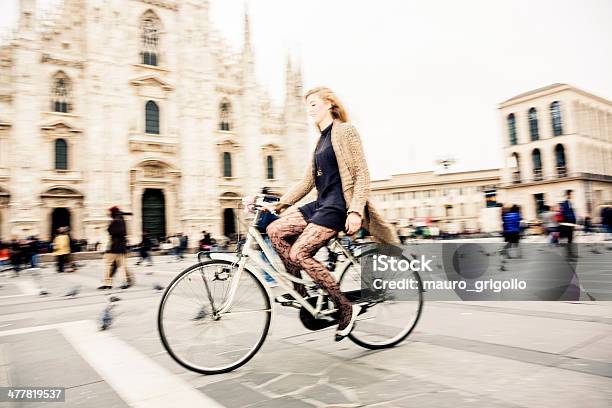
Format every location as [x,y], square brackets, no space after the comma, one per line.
[145,248]
[568,217]
[117,252]
[511,221]
[606,219]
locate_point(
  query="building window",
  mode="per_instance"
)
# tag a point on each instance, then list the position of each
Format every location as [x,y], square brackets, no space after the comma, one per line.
[61,155]
[152,118]
[560,161]
[61,93]
[539,203]
[149,35]
[512,128]
[555,117]
[515,164]
[225,113]
[537,164]
[533,124]
[270,167]
[227,164]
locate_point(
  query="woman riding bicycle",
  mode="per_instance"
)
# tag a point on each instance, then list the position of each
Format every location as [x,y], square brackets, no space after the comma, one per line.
[340,174]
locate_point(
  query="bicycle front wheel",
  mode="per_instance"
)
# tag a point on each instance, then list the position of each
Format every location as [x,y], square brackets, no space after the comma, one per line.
[389,317]
[197,333]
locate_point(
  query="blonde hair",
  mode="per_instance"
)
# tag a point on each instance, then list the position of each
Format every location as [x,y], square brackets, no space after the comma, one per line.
[337,109]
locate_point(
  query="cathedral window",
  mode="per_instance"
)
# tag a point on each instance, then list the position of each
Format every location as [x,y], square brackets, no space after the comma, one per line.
[61,155]
[152,118]
[150,37]
[225,113]
[61,93]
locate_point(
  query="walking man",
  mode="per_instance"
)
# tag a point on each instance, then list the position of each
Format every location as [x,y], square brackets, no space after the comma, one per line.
[117,251]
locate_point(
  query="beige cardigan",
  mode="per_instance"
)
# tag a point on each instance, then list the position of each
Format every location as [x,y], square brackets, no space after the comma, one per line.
[355,179]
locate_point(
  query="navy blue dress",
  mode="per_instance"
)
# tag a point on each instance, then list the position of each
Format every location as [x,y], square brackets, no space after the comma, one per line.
[329,210]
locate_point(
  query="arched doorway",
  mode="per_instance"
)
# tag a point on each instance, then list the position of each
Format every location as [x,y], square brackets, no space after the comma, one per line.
[60,217]
[229,222]
[154,212]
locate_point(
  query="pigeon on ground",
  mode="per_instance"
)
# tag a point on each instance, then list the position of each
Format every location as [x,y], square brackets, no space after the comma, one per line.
[73,292]
[107,317]
[157,286]
[201,314]
[114,299]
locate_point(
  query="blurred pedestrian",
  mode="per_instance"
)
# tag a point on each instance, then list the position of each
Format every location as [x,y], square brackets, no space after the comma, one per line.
[117,250]
[183,245]
[175,243]
[34,251]
[566,227]
[551,225]
[206,241]
[588,226]
[606,220]
[145,248]
[61,248]
[511,222]
[15,256]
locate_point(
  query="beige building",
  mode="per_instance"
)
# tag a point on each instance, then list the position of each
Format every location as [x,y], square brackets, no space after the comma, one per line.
[140,104]
[451,201]
[557,138]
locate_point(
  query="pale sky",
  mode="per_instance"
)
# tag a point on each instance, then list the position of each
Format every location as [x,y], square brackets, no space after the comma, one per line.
[422,79]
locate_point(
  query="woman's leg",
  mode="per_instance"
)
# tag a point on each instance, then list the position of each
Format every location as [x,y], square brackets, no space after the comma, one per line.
[302,252]
[288,226]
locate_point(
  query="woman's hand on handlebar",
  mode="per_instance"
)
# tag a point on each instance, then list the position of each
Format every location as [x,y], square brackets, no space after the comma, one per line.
[279,208]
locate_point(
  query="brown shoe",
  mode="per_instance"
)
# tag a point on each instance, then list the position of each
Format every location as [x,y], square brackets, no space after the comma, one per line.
[346,322]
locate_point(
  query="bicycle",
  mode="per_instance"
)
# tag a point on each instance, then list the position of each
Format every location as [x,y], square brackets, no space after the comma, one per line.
[215,315]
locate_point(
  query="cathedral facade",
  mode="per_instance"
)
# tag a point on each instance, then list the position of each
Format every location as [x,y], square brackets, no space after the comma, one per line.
[139,104]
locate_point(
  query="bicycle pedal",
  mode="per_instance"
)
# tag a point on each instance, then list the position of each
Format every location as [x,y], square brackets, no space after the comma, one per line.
[289,304]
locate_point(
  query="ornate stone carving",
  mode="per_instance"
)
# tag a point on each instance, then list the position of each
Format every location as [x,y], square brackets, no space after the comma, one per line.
[227,90]
[61,193]
[152,146]
[46,58]
[152,81]
[153,171]
[59,129]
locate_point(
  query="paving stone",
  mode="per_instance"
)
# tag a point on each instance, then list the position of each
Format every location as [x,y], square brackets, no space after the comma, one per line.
[232,394]
[395,387]
[35,359]
[352,376]
[326,394]
[295,360]
[258,378]
[291,383]
[283,402]
[91,395]
[452,398]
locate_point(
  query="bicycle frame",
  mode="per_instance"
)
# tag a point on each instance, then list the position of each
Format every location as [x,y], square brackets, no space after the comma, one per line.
[277,270]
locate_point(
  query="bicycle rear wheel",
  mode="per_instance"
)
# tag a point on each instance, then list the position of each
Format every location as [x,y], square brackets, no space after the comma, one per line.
[199,338]
[389,316]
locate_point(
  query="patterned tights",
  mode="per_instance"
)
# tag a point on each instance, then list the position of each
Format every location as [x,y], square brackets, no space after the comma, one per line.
[309,238]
